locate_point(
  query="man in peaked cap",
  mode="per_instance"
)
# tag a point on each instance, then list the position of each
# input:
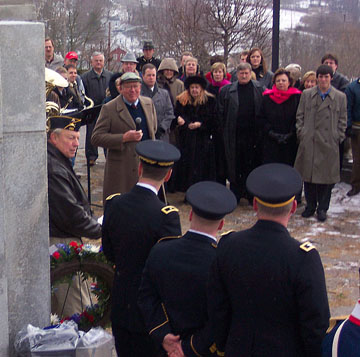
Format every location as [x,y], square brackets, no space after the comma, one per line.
[268,294]
[133,223]
[118,129]
[343,339]
[70,216]
[148,57]
[172,295]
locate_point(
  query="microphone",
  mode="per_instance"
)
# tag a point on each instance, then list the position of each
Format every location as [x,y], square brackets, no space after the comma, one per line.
[138,123]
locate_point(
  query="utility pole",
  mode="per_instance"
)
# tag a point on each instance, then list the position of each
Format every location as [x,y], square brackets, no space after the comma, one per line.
[275,35]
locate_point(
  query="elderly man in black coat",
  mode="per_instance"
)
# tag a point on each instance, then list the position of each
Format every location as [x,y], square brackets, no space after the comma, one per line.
[267,291]
[238,106]
[133,223]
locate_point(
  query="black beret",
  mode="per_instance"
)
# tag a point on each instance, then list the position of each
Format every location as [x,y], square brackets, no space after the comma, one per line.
[195,80]
[157,153]
[63,122]
[274,184]
[211,200]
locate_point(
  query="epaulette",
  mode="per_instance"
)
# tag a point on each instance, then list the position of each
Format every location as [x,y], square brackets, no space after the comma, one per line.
[307,246]
[168,238]
[214,245]
[169,209]
[226,233]
[335,320]
[111,196]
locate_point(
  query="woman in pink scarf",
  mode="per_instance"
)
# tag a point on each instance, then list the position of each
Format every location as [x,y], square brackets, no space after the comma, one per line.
[217,78]
[278,117]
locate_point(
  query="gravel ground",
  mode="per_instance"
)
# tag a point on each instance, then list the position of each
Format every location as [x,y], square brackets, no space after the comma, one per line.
[337,239]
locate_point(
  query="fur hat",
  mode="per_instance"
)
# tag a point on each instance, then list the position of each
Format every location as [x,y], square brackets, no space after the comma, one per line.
[195,80]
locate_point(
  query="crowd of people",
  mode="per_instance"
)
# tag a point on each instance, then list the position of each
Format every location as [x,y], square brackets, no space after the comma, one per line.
[254,293]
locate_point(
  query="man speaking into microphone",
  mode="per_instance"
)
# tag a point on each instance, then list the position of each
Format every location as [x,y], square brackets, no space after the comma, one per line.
[124,121]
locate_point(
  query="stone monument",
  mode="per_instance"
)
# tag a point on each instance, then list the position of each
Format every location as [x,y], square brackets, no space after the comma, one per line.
[24,247]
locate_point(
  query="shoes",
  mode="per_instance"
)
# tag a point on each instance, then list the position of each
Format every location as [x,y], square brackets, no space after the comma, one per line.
[321,215]
[92,162]
[353,192]
[308,212]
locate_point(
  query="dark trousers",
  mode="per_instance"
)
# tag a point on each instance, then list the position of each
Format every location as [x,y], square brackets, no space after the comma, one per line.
[133,344]
[91,151]
[317,196]
[355,147]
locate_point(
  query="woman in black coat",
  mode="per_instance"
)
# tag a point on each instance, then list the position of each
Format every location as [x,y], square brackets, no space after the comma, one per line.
[195,115]
[278,119]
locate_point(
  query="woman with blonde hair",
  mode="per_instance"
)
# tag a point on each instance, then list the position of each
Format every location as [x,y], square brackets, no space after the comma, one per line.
[309,80]
[195,115]
[191,68]
[218,79]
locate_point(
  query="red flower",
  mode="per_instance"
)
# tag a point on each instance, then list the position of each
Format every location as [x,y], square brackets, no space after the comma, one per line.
[90,318]
[73,244]
[56,255]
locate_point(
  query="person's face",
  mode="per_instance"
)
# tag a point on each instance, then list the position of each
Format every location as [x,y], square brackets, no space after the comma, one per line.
[244,76]
[243,58]
[331,63]
[148,53]
[255,59]
[310,82]
[49,49]
[324,81]
[195,90]
[190,68]
[128,67]
[66,142]
[183,60]
[72,74]
[282,82]
[72,61]
[130,91]
[149,77]
[97,62]
[218,75]
[168,73]
[118,87]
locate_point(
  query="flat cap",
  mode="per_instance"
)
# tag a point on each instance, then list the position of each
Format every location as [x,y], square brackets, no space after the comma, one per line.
[157,153]
[129,77]
[211,200]
[274,185]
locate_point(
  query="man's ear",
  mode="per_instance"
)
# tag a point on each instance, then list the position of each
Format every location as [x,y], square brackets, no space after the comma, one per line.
[168,175]
[191,215]
[140,169]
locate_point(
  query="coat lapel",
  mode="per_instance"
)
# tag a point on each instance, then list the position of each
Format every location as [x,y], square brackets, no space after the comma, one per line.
[124,114]
[147,111]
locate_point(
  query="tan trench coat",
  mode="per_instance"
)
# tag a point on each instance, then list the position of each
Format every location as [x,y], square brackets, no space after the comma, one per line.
[320,127]
[121,167]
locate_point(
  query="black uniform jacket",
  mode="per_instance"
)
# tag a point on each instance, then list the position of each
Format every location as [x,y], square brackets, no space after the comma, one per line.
[133,223]
[69,209]
[268,295]
[143,61]
[172,295]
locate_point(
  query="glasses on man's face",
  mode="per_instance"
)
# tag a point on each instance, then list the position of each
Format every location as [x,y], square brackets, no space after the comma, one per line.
[131,86]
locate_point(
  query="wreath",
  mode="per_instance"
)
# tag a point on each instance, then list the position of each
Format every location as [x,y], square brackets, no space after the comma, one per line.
[91,262]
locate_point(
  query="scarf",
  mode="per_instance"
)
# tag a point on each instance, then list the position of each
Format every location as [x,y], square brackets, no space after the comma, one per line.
[280,96]
[221,84]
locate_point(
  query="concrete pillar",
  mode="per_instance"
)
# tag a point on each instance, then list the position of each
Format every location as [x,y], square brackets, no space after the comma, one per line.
[24,253]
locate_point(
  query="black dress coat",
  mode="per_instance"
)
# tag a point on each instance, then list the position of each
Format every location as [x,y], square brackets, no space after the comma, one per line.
[133,223]
[279,119]
[197,162]
[69,209]
[172,295]
[268,295]
[228,106]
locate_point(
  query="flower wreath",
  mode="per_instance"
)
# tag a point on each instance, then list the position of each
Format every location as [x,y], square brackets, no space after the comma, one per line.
[91,262]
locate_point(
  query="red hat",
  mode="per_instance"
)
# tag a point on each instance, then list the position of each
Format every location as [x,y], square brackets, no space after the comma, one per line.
[72,55]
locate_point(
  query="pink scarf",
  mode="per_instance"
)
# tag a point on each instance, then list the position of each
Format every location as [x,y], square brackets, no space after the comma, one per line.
[280,96]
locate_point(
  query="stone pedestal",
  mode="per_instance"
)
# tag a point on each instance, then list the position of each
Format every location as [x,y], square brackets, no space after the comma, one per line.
[24,254]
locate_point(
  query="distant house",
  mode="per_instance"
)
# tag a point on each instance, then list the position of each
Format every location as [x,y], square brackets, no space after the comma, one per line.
[116,55]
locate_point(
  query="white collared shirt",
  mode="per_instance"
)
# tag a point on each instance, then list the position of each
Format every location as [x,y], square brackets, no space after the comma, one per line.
[149,187]
[204,234]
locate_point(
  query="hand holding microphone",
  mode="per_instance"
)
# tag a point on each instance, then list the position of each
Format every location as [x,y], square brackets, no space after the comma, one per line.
[134,135]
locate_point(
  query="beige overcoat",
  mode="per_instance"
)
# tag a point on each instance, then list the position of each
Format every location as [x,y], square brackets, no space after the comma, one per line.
[320,128]
[121,167]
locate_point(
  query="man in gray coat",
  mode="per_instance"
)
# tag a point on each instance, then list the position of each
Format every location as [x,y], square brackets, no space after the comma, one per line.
[161,99]
[320,124]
